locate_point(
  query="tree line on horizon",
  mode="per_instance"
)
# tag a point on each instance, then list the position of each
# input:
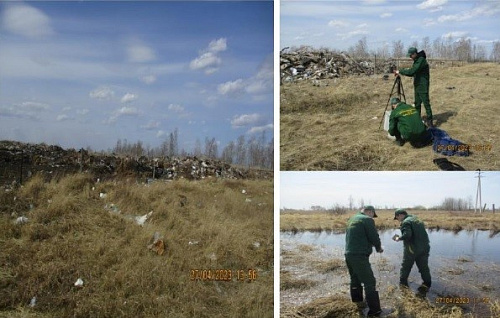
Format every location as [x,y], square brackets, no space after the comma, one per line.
[448,204]
[461,49]
[253,152]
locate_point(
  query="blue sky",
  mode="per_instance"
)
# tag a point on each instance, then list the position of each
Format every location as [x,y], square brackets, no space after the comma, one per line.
[341,24]
[84,73]
[301,190]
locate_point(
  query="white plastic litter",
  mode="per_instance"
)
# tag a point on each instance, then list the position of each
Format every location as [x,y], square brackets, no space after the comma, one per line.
[32,302]
[248,200]
[243,191]
[103,195]
[79,282]
[193,242]
[21,220]
[142,219]
[256,244]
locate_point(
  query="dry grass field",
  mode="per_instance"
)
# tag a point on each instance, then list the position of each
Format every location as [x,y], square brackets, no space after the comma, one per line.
[336,127]
[73,233]
[454,221]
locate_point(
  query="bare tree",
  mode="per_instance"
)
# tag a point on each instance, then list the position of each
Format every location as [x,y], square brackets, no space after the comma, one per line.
[495,52]
[397,49]
[228,152]
[197,148]
[210,148]
[351,202]
[241,150]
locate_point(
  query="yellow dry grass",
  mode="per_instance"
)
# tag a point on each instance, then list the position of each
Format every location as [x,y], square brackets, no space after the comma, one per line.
[334,127]
[453,221]
[70,234]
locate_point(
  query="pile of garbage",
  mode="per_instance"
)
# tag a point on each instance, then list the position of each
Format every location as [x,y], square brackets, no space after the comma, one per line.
[19,161]
[317,65]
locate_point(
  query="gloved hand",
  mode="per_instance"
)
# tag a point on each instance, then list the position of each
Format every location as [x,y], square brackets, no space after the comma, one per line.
[396,73]
[395,238]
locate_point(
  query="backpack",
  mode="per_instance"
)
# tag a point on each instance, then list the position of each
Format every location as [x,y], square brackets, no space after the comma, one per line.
[447,146]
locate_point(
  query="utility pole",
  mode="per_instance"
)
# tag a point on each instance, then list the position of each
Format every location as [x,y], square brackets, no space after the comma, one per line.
[478,192]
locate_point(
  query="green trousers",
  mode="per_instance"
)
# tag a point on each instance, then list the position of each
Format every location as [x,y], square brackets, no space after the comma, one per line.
[423,98]
[361,272]
[422,261]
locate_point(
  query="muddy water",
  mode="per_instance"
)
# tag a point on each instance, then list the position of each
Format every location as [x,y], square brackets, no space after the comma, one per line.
[464,264]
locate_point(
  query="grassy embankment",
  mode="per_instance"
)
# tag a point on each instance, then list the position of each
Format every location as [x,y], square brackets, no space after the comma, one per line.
[337,127]
[453,221]
[208,224]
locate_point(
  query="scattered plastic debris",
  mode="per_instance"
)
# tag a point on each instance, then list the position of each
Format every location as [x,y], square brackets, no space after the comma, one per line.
[103,195]
[21,220]
[32,302]
[142,219]
[212,257]
[248,200]
[157,245]
[243,191]
[193,242]
[256,244]
[79,283]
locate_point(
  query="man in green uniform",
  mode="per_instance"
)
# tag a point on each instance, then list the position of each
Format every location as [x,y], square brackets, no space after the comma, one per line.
[420,73]
[405,124]
[416,248]
[361,236]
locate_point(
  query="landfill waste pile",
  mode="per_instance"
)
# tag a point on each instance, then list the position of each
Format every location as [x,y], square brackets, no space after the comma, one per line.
[20,161]
[323,64]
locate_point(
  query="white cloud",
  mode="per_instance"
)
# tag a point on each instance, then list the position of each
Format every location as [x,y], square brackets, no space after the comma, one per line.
[127,111]
[176,108]
[246,120]
[139,53]
[337,23]
[151,125]
[27,21]
[401,30]
[148,79]
[351,34]
[231,87]
[161,133]
[82,112]
[217,45]
[487,9]
[455,34]
[34,106]
[102,92]
[24,110]
[373,2]
[62,117]
[65,109]
[259,129]
[386,15]
[208,60]
[362,25]
[129,97]
[429,22]
[433,5]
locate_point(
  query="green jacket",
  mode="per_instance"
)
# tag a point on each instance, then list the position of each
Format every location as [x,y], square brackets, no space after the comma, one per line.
[416,240]
[420,73]
[361,235]
[405,119]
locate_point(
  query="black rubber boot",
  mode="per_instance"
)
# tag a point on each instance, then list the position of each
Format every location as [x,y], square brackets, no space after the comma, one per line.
[374,304]
[356,294]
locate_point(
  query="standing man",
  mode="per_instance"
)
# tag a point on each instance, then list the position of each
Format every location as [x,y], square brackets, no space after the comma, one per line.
[360,238]
[416,248]
[420,73]
[405,124]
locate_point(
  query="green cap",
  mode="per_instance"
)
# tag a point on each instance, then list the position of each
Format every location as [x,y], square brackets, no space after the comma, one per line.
[370,208]
[411,51]
[395,100]
[398,212]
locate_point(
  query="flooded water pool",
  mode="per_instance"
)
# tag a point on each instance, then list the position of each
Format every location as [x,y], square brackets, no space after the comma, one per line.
[465,264]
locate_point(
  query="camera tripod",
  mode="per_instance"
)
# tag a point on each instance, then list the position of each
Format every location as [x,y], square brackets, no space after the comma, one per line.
[399,92]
